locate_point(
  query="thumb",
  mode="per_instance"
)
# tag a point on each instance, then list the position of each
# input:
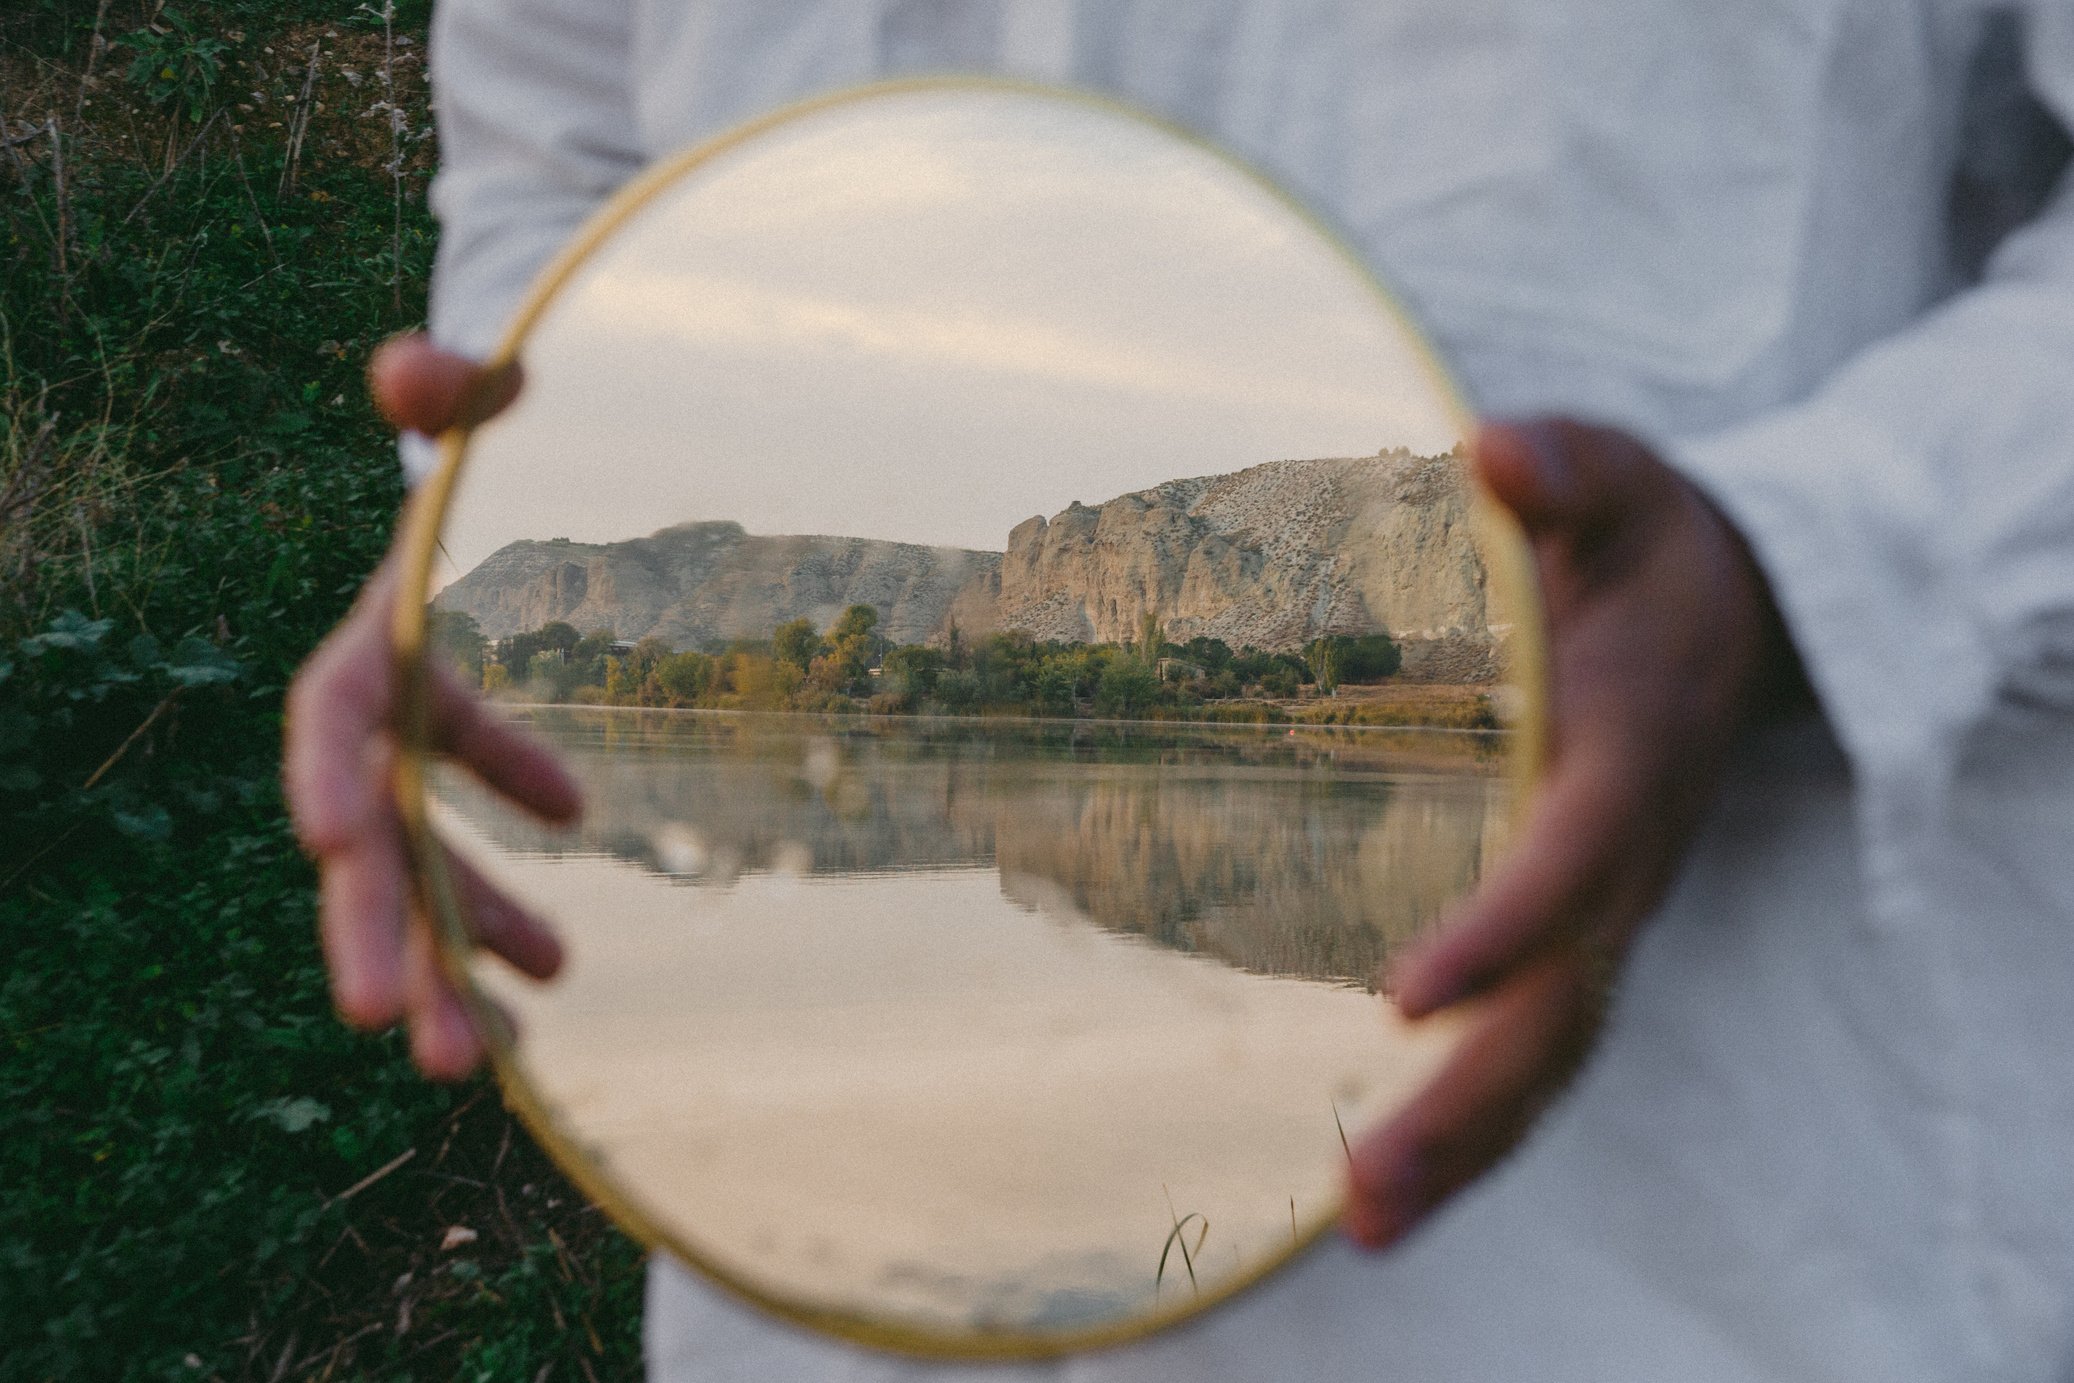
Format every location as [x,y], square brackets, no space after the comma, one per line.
[1558,476]
[421,388]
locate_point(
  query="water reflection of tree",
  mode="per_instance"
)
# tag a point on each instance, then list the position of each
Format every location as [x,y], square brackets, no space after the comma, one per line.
[1303,857]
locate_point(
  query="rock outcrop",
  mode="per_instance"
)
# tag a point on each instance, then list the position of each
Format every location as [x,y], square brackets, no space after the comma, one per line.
[701,584]
[1272,557]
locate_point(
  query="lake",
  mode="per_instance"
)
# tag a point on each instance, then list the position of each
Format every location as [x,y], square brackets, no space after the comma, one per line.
[954,1022]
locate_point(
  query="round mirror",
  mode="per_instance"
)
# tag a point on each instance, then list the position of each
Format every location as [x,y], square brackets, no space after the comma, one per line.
[1008,584]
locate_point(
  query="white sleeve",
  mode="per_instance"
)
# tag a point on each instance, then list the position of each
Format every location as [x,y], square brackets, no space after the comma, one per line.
[536,130]
[1915,514]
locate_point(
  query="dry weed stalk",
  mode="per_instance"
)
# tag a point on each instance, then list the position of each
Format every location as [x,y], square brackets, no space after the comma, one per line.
[394,111]
[299,121]
[94,48]
[64,193]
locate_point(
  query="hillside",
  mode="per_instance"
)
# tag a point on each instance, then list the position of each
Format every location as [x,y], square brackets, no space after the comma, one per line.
[699,584]
[1271,556]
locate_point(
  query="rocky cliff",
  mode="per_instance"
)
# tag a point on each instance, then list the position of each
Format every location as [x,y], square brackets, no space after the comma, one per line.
[1272,556]
[700,584]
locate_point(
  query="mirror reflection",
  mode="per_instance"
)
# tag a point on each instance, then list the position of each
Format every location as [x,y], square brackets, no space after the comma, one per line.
[1009,587]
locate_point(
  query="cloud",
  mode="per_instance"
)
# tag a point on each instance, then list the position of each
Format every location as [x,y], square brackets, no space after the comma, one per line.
[929,316]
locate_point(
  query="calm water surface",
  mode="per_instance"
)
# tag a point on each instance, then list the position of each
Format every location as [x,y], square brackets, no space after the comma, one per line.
[953,1021]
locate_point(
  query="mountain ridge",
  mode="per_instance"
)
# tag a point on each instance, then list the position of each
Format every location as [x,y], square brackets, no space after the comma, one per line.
[1270,556]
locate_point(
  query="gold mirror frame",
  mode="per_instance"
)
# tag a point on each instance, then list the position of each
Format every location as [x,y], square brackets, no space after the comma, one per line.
[1507,563]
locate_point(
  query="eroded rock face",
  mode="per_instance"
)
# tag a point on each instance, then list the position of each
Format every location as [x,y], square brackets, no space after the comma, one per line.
[700,584]
[1270,557]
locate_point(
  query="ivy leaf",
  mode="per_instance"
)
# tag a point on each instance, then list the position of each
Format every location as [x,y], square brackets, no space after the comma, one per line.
[198,663]
[147,822]
[292,1115]
[71,631]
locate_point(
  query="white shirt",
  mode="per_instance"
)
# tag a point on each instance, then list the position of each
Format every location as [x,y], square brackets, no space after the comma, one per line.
[1830,1131]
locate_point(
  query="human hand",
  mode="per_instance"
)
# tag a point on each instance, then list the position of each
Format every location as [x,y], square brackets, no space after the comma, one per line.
[1663,643]
[339,757]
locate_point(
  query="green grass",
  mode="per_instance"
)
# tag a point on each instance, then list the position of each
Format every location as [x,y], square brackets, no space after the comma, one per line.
[191,486]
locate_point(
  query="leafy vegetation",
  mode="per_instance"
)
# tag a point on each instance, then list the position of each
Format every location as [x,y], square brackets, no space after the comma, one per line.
[212,212]
[851,668]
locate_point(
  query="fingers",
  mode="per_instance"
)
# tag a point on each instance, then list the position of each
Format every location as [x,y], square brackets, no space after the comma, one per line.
[502,925]
[337,768]
[1559,476]
[335,771]
[1526,1041]
[1553,884]
[421,388]
[526,772]
[442,1039]
[336,714]
[363,892]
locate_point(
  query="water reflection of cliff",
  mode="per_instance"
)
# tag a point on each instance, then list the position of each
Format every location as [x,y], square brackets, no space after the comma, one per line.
[1312,856]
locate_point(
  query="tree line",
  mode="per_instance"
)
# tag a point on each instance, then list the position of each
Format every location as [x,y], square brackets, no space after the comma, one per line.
[851,665]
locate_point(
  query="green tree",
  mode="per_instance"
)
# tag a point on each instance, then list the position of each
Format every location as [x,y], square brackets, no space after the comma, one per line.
[1270,671]
[759,682]
[457,639]
[912,669]
[1056,686]
[1211,655]
[957,690]
[1006,665]
[685,677]
[795,642]
[1152,638]
[1323,657]
[647,655]
[1127,688]
[856,622]
[551,676]
[518,651]
[1371,658]
[852,647]
[1338,658]
[589,655]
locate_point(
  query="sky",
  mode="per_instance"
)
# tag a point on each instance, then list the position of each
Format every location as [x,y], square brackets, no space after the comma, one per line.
[928,316]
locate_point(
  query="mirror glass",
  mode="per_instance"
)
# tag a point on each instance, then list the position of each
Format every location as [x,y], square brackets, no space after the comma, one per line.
[1008,584]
